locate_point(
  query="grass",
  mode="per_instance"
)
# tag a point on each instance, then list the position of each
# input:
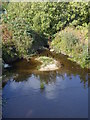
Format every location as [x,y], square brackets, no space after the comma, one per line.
[42,86]
[46,60]
[48,64]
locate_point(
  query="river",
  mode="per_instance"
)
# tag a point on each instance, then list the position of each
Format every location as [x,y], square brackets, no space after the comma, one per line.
[65,93]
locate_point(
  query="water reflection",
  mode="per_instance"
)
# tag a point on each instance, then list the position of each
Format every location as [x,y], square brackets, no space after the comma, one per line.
[64,90]
[47,77]
[53,81]
[31,99]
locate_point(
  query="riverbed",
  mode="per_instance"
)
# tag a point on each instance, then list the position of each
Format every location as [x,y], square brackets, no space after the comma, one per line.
[65,92]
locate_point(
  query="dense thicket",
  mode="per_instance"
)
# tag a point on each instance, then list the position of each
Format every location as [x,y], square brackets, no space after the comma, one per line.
[27,25]
[49,17]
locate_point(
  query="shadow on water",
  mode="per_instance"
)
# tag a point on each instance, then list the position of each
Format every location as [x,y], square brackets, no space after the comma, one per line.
[65,92]
[22,69]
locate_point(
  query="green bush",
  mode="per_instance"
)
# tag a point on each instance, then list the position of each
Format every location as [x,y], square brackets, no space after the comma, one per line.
[49,17]
[73,43]
[69,40]
[18,35]
[65,41]
[20,41]
[28,25]
[9,52]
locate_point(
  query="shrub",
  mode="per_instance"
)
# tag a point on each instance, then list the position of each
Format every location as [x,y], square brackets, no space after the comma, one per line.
[18,35]
[9,52]
[73,43]
[49,17]
[65,40]
[28,25]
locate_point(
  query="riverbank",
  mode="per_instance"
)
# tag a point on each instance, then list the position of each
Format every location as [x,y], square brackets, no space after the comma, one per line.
[22,38]
[73,42]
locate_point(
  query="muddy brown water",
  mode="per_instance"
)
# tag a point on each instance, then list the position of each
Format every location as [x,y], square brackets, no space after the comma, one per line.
[65,93]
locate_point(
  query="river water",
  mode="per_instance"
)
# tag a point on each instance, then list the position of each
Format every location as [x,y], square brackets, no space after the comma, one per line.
[65,93]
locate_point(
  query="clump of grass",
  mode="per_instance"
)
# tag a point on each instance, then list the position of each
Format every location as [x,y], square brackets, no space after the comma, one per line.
[48,64]
[42,86]
[46,60]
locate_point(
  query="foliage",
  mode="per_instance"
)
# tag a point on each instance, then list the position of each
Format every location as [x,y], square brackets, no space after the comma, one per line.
[46,60]
[27,25]
[73,43]
[42,85]
[49,17]
[9,52]
[18,35]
